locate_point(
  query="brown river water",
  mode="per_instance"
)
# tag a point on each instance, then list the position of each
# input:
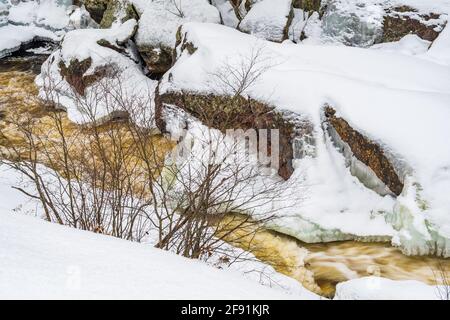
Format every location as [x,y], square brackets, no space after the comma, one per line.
[318,266]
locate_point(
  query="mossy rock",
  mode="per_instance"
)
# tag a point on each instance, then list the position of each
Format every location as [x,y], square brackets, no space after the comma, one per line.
[307,5]
[396,25]
[118,9]
[228,112]
[96,8]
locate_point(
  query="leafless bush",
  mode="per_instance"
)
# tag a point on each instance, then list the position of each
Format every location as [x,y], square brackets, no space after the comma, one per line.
[442,280]
[235,78]
[109,176]
[175,7]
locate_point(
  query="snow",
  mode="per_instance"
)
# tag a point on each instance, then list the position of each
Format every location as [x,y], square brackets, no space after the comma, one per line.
[45,13]
[359,23]
[267,19]
[12,37]
[227,13]
[129,83]
[410,44]
[160,19]
[440,50]
[368,88]
[41,260]
[377,288]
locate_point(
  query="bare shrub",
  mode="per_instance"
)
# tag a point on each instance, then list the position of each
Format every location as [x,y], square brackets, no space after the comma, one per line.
[110,176]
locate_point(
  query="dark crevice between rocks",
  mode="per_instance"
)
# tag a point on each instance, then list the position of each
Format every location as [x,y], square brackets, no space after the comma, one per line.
[226,112]
[365,150]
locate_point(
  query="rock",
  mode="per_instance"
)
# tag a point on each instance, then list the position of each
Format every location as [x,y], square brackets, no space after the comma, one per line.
[158,25]
[366,151]
[404,20]
[118,11]
[359,27]
[308,5]
[226,112]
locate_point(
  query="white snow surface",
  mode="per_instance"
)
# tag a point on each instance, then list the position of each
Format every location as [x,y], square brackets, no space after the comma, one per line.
[399,101]
[160,19]
[40,260]
[267,19]
[377,288]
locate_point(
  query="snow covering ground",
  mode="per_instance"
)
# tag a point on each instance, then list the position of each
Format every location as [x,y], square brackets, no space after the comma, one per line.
[376,288]
[267,19]
[368,88]
[40,260]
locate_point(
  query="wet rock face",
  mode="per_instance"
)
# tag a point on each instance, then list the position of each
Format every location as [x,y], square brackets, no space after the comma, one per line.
[225,112]
[399,22]
[366,151]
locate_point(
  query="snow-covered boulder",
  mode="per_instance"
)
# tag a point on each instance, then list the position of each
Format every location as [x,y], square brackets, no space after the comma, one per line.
[269,19]
[158,24]
[376,288]
[23,23]
[398,190]
[97,75]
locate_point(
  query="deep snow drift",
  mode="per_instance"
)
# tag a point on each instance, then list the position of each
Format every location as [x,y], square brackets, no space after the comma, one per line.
[40,260]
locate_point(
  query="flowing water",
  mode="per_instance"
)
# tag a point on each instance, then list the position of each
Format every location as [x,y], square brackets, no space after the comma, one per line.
[318,266]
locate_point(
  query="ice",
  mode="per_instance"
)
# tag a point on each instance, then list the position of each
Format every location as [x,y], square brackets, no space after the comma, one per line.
[368,88]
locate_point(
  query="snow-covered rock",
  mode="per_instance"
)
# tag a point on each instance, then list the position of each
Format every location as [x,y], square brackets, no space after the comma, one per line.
[366,87]
[376,288]
[89,61]
[24,22]
[269,19]
[158,24]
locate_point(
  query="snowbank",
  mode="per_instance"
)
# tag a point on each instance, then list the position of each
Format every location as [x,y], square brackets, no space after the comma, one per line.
[40,260]
[368,88]
[376,288]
